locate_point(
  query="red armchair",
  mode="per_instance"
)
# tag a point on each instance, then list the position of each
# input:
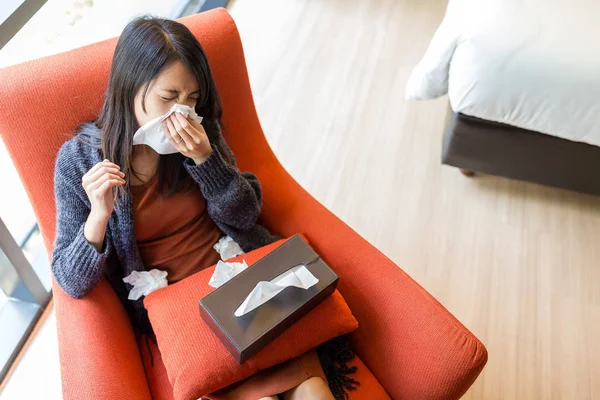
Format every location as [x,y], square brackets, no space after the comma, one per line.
[412,344]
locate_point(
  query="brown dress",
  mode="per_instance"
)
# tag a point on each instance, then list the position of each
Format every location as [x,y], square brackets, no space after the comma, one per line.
[173,234]
[177,235]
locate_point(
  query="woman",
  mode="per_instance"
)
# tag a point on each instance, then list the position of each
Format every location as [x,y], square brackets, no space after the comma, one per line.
[109,192]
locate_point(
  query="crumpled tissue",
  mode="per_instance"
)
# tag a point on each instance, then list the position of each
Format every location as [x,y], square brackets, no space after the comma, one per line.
[224,271]
[228,248]
[153,133]
[145,282]
[298,276]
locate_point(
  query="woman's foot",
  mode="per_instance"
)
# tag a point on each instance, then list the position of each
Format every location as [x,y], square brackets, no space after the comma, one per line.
[313,388]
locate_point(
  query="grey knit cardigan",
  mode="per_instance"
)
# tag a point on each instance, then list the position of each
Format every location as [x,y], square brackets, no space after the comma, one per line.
[233,202]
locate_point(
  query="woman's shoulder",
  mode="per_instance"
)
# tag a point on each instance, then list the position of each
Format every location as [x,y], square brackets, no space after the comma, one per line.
[80,153]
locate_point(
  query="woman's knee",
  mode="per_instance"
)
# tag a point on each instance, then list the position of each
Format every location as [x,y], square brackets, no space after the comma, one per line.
[312,388]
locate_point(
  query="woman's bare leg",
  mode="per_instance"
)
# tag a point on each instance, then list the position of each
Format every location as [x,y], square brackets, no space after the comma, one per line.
[313,388]
[269,398]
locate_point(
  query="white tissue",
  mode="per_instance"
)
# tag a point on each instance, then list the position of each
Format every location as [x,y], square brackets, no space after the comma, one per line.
[299,276]
[224,271]
[145,282]
[153,134]
[227,248]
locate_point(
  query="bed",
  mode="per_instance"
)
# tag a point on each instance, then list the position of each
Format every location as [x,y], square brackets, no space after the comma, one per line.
[523,82]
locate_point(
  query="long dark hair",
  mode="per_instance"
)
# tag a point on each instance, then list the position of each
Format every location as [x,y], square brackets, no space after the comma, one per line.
[145,47]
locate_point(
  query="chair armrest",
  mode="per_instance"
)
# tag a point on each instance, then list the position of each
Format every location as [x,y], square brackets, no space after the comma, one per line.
[99,355]
[414,346]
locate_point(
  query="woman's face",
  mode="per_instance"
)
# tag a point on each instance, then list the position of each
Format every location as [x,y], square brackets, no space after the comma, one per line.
[174,84]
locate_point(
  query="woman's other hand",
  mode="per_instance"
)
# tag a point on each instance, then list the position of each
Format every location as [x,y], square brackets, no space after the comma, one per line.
[188,137]
[98,183]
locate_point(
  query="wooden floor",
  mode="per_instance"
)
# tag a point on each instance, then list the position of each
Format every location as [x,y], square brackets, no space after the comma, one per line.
[517,263]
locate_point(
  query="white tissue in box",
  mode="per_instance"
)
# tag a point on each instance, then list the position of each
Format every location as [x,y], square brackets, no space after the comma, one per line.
[224,271]
[299,277]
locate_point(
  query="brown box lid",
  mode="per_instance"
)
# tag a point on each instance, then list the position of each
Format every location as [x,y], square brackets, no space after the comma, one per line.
[244,336]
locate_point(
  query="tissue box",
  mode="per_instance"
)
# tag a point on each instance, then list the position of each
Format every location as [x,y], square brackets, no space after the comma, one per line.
[244,336]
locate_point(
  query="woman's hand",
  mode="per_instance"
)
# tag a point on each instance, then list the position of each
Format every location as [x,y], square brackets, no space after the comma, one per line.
[98,183]
[188,137]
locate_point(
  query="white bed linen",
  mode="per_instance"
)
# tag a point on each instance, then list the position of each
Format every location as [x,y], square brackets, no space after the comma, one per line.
[534,64]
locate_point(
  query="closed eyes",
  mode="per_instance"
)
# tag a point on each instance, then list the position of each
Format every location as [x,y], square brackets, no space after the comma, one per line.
[175,98]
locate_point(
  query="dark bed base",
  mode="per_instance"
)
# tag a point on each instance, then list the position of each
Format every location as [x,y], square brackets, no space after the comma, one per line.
[477,145]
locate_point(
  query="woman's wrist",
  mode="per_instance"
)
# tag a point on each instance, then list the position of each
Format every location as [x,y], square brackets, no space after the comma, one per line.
[201,159]
[95,229]
[205,154]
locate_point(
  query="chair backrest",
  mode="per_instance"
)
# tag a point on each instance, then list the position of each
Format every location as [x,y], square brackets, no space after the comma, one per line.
[44,100]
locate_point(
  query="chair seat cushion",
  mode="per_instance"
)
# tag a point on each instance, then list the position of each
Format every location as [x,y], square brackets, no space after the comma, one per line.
[196,361]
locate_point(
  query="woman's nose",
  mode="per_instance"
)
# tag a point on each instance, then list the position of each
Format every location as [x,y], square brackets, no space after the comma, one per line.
[188,102]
